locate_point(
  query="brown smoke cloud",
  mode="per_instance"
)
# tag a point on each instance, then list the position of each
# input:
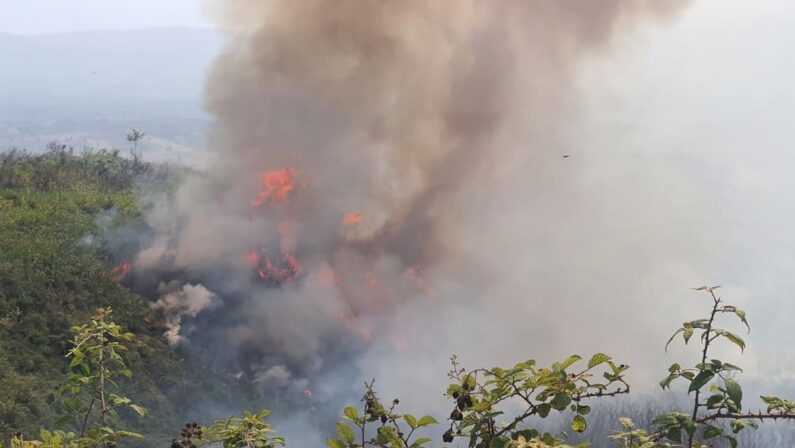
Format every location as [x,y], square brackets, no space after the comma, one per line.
[441,127]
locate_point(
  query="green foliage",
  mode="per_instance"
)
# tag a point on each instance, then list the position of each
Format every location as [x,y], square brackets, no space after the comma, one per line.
[97,358]
[61,169]
[54,273]
[710,378]
[392,430]
[249,431]
[480,395]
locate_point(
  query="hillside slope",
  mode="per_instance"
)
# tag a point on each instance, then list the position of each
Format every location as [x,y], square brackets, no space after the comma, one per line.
[54,273]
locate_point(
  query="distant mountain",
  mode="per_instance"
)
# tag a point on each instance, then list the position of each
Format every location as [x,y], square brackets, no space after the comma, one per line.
[89,88]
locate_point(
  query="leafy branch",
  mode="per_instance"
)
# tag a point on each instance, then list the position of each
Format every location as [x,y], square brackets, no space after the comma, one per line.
[713,377]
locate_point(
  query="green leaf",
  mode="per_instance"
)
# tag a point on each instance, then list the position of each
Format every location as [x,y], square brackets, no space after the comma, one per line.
[497,442]
[334,443]
[426,420]
[738,425]
[561,401]
[543,410]
[345,432]
[687,334]
[672,338]
[578,424]
[420,442]
[735,339]
[597,359]
[666,382]
[410,420]
[138,409]
[739,313]
[674,434]
[569,361]
[710,432]
[734,391]
[700,380]
[714,401]
[351,413]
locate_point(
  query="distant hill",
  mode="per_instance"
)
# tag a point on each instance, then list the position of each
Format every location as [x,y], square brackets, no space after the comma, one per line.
[90,88]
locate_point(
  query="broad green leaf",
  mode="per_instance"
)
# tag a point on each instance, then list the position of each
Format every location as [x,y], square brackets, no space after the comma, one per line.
[426,420]
[569,361]
[714,401]
[497,442]
[735,339]
[687,334]
[597,359]
[734,391]
[334,443]
[345,432]
[674,434]
[710,432]
[138,409]
[351,413]
[700,380]
[561,401]
[543,410]
[410,420]
[578,424]
[420,442]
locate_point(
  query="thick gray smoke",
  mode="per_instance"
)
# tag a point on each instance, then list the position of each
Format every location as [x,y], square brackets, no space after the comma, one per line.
[389,186]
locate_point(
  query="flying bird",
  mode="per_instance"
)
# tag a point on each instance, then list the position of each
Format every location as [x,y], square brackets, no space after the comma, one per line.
[566,156]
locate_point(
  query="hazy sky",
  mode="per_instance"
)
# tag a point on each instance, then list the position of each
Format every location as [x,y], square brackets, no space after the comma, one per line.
[54,16]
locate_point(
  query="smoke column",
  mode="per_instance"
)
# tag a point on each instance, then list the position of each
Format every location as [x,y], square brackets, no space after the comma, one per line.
[389,186]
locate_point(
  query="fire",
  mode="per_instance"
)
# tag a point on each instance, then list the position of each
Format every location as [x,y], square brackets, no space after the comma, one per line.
[122,269]
[251,259]
[285,271]
[276,186]
[352,218]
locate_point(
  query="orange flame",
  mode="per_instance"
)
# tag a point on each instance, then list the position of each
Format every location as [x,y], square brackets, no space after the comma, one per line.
[352,218]
[251,258]
[276,186]
[286,271]
[122,269]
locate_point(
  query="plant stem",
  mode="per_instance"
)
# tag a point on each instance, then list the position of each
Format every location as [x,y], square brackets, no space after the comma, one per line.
[102,381]
[704,352]
[85,419]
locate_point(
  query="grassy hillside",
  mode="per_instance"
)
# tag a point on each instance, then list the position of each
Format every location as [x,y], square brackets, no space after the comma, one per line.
[52,277]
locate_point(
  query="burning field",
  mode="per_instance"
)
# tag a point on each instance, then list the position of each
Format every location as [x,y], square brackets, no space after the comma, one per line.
[389,182]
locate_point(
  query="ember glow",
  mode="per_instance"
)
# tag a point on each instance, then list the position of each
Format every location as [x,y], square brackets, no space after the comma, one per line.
[122,269]
[352,218]
[277,186]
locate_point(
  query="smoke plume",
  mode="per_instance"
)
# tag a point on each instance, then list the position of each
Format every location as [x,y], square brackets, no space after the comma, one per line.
[389,186]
